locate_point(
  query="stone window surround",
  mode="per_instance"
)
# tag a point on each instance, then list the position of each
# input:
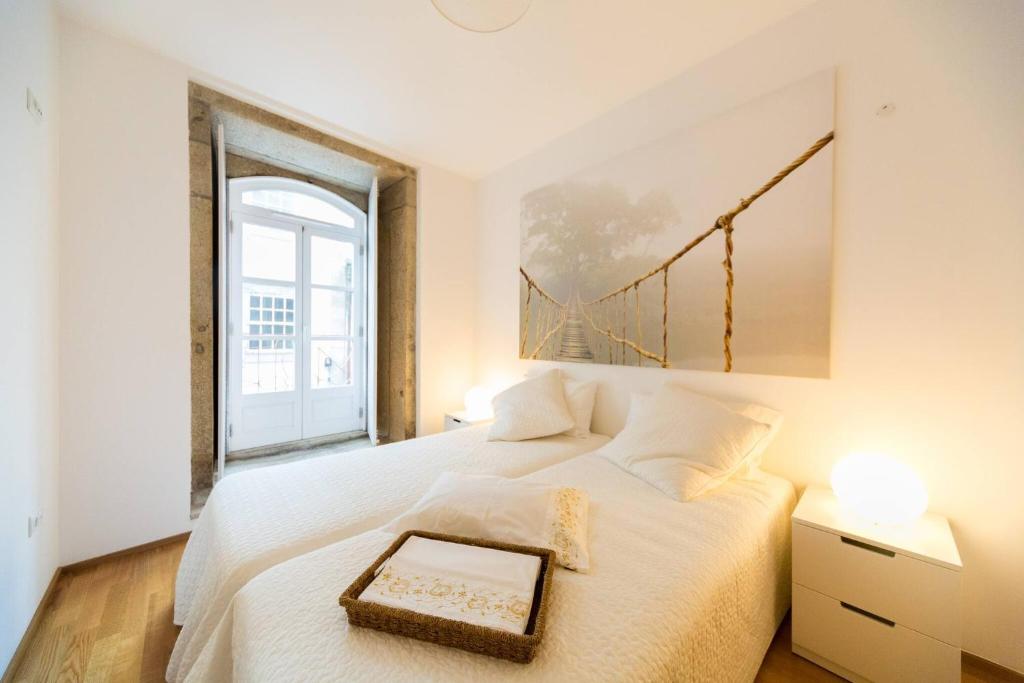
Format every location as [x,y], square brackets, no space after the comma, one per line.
[333,163]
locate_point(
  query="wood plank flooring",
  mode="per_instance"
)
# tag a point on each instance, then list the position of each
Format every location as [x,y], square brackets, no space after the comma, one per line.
[112,621]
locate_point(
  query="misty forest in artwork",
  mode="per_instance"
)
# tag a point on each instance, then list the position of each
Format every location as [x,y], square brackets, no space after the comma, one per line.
[708,249]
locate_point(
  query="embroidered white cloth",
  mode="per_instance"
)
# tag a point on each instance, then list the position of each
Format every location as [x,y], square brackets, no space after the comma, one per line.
[502,509]
[482,586]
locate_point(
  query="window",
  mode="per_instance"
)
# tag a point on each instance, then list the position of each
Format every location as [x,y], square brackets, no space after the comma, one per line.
[297,356]
[296,204]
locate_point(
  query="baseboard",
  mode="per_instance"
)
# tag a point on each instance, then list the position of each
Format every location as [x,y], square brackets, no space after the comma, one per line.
[85,564]
[33,625]
[987,670]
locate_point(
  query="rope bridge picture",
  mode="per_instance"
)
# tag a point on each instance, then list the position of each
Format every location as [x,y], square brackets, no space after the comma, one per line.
[609,328]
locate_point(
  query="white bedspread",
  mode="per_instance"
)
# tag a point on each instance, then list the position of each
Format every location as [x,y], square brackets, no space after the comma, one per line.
[256,519]
[677,591]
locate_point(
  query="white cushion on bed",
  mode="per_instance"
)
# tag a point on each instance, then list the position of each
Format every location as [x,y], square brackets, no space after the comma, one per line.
[533,408]
[580,398]
[765,415]
[683,443]
[508,510]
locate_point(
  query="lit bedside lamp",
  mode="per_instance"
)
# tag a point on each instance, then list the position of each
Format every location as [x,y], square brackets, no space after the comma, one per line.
[876,578]
[477,410]
[879,489]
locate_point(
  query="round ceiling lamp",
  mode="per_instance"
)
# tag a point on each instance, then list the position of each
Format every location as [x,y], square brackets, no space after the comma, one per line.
[482,16]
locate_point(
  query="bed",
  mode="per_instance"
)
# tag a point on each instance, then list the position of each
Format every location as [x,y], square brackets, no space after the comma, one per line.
[256,519]
[676,591]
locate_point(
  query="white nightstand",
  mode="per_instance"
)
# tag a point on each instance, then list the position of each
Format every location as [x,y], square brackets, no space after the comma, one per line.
[459,419]
[871,602]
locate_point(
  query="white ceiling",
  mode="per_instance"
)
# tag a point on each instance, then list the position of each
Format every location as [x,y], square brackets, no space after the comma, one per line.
[397,73]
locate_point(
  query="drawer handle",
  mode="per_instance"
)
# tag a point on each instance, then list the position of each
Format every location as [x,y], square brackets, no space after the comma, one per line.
[867,546]
[869,615]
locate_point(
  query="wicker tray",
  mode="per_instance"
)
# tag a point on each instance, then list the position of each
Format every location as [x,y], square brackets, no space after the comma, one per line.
[470,637]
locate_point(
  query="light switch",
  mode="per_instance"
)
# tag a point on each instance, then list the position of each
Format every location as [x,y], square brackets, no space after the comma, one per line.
[32,105]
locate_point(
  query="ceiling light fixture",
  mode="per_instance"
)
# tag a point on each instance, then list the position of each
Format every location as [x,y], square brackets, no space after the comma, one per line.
[482,16]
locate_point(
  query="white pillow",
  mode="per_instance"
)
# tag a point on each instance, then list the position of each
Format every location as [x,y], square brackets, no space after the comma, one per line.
[508,510]
[641,404]
[580,398]
[533,408]
[764,415]
[682,443]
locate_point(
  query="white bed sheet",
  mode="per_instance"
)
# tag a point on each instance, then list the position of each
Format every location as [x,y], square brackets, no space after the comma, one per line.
[677,591]
[256,519]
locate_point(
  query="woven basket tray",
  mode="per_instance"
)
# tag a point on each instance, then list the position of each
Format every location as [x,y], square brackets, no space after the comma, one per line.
[470,637]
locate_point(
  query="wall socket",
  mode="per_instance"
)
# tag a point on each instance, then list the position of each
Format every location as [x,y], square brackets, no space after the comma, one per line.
[32,105]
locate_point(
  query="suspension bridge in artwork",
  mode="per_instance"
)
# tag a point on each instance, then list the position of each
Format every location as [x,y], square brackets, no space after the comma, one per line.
[608,329]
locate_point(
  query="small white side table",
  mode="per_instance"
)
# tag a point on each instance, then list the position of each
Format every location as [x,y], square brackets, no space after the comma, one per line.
[459,419]
[873,602]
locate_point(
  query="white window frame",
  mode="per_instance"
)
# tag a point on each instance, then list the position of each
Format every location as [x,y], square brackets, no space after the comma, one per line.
[235,187]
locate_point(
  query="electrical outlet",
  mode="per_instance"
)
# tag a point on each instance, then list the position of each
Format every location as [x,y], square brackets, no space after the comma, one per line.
[32,105]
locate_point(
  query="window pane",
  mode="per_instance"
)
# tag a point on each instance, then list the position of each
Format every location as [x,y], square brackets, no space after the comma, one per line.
[268,253]
[331,364]
[298,204]
[255,294]
[330,312]
[267,369]
[331,262]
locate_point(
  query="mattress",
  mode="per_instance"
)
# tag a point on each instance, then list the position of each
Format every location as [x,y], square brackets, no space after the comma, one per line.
[677,591]
[256,519]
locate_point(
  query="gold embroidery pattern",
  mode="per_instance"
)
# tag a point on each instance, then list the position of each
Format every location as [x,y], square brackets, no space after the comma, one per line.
[568,528]
[440,594]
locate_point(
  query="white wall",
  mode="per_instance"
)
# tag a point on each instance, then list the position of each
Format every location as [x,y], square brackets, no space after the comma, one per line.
[125,419]
[125,292]
[446,294]
[28,278]
[927,321]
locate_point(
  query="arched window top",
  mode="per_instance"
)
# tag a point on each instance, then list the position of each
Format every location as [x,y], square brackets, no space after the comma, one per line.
[295,198]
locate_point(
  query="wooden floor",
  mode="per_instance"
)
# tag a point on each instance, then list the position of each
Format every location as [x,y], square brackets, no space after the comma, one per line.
[112,622]
[108,622]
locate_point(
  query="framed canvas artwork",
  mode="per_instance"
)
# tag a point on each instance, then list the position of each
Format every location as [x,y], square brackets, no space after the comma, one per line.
[708,249]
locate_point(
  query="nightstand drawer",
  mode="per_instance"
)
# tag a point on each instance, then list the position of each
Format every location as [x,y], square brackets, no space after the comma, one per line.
[911,592]
[859,643]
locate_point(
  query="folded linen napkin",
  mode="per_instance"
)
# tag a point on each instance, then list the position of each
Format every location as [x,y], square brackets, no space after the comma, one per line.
[481,586]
